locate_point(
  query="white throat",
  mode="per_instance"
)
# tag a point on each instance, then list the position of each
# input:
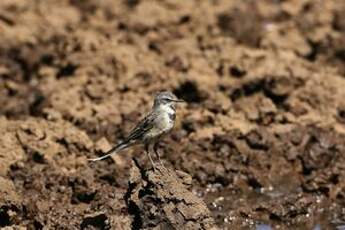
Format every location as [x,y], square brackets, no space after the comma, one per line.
[167,109]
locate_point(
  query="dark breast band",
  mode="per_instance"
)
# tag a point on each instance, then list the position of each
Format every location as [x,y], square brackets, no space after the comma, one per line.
[172,116]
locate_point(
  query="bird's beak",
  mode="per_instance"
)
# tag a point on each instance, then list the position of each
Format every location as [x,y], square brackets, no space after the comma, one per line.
[178,100]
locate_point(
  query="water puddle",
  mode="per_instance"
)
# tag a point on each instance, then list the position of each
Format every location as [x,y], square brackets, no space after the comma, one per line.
[235,209]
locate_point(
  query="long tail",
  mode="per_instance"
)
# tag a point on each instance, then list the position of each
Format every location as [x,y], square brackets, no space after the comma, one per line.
[114,150]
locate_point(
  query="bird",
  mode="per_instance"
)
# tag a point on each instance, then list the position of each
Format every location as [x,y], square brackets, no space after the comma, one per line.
[152,128]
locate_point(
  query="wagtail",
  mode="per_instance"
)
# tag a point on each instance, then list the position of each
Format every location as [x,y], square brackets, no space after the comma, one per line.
[150,130]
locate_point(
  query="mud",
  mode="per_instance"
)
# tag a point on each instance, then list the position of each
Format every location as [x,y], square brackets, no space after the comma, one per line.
[262,135]
[160,199]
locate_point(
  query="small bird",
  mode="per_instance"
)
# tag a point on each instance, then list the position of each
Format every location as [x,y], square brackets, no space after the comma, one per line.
[150,130]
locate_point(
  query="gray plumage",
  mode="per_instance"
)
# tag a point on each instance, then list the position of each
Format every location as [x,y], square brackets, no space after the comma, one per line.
[152,128]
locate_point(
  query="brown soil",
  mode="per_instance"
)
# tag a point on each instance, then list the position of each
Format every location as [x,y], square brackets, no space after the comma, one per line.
[262,135]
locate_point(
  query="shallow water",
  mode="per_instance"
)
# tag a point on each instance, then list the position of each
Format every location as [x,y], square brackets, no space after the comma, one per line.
[230,209]
[263,227]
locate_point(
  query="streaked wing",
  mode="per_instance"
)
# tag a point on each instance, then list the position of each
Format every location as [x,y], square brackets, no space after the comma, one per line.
[136,134]
[142,127]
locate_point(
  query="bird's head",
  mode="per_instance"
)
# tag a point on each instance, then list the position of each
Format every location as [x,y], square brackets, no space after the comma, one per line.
[166,98]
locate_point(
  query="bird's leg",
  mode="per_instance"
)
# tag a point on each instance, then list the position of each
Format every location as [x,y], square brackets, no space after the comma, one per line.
[147,150]
[155,149]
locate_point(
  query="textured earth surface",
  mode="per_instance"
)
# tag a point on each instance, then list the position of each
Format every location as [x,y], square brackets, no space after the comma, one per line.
[261,140]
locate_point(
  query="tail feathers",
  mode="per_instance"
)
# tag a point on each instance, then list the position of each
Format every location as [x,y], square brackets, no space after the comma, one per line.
[112,151]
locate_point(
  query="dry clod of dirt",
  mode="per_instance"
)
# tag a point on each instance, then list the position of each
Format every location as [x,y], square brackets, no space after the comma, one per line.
[161,199]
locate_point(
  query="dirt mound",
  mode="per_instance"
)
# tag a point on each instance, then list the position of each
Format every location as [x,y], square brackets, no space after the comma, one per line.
[261,135]
[160,199]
